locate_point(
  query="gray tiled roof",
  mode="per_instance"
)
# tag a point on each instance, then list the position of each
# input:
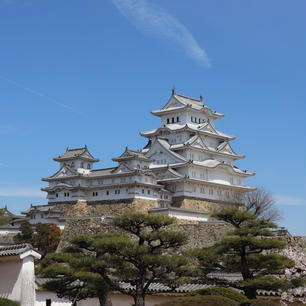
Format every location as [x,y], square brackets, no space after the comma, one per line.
[161,288]
[15,249]
[42,208]
[99,172]
[75,153]
[132,154]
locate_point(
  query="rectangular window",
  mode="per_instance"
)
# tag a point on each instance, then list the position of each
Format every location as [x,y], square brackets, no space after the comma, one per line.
[211,191]
[172,119]
[48,302]
[149,191]
[191,119]
[177,119]
[142,191]
[107,192]
[168,120]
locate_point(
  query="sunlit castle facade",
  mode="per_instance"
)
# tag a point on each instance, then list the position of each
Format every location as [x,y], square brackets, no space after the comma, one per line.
[186,164]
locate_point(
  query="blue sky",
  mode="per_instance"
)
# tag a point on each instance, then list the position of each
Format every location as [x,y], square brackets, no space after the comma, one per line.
[89,72]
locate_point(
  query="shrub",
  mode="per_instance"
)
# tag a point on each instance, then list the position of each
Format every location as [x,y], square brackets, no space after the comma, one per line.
[7,302]
[208,300]
[220,291]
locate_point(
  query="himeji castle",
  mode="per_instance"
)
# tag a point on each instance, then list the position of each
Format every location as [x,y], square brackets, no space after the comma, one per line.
[186,169]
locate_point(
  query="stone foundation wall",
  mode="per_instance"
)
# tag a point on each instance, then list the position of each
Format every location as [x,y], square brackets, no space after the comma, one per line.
[199,235]
[201,204]
[111,208]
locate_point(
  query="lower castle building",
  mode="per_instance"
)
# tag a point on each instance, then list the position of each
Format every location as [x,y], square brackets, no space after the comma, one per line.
[186,169]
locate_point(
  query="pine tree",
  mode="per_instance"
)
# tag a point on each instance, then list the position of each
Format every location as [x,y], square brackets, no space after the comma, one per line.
[138,254]
[71,278]
[26,233]
[250,249]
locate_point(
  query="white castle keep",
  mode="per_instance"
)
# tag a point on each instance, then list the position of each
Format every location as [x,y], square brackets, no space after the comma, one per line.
[185,158]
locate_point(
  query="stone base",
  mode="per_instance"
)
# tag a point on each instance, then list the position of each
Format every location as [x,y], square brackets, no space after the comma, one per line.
[201,204]
[199,235]
[110,208]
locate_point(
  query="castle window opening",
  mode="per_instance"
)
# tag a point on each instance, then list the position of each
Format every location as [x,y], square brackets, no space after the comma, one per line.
[168,120]
[172,119]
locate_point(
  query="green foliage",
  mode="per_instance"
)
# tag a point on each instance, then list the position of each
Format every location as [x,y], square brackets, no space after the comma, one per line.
[209,300]
[246,249]
[137,254]
[26,233]
[4,217]
[7,302]
[220,291]
[45,238]
[71,276]
[265,302]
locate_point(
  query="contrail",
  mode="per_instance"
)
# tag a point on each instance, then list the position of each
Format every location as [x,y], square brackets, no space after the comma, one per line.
[151,19]
[37,93]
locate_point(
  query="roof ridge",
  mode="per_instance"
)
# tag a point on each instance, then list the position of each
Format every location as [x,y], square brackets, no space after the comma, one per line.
[103,169]
[187,97]
[75,149]
[15,246]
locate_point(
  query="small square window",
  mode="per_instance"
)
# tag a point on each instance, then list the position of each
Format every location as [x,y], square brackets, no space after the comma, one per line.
[48,302]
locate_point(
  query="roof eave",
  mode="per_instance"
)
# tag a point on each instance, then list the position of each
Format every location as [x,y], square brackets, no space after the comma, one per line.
[60,159]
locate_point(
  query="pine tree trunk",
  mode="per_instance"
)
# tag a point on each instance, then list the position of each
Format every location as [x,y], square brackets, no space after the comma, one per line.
[104,299]
[139,299]
[250,293]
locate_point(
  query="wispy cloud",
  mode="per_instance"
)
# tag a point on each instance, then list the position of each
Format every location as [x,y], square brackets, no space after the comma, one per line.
[1,164]
[290,201]
[41,95]
[22,192]
[150,18]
